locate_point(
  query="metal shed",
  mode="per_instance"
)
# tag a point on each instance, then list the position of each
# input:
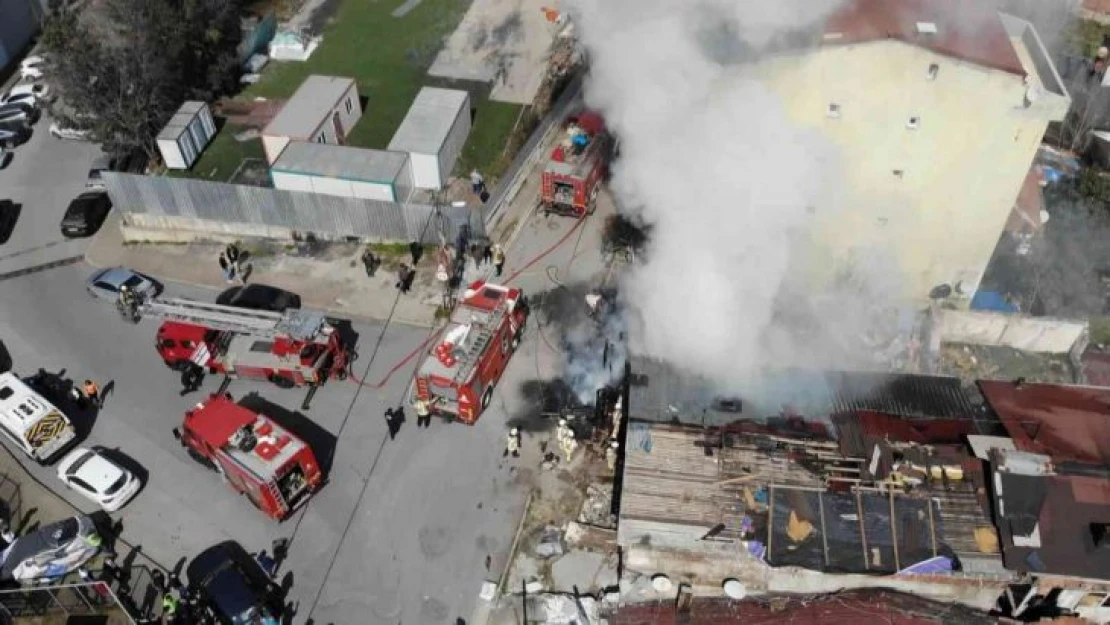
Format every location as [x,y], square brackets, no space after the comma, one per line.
[344,171]
[186,135]
[433,133]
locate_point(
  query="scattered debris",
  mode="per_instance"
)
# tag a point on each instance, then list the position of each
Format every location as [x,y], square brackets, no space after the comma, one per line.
[597,509]
[550,544]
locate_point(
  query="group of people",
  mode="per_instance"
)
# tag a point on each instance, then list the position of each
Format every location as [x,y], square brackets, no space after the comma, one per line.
[494,254]
[230,260]
[424,408]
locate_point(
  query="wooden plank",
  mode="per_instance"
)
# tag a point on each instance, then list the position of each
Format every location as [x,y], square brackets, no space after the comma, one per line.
[771,521]
[894,533]
[824,529]
[932,527]
[862,533]
[736,480]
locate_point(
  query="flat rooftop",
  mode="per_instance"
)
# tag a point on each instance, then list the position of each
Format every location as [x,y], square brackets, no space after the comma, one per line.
[340,161]
[309,107]
[429,120]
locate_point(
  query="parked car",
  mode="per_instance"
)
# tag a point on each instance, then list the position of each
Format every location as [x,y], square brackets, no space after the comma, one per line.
[86,214]
[105,163]
[9,215]
[13,134]
[31,111]
[74,134]
[98,479]
[15,116]
[26,98]
[40,90]
[51,551]
[231,586]
[259,297]
[31,72]
[105,284]
[34,61]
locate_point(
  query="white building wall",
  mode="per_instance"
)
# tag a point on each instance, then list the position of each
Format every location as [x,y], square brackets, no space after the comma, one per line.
[348,119]
[425,170]
[403,184]
[172,153]
[331,186]
[453,144]
[272,145]
[291,182]
[372,191]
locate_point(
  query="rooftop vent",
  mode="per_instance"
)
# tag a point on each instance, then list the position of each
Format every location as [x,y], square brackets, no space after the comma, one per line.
[926,28]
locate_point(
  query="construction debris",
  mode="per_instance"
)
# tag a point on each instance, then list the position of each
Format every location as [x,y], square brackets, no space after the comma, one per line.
[550,544]
[597,509]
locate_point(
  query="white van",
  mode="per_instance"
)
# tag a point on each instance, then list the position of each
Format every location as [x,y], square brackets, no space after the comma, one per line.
[33,424]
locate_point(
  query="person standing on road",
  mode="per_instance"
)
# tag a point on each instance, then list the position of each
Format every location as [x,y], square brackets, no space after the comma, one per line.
[416,251]
[393,422]
[512,444]
[498,259]
[92,393]
[225,267]
[370,262]
[191,378]
[423,410]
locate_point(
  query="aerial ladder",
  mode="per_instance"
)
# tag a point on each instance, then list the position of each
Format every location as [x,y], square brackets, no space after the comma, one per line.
[298,324]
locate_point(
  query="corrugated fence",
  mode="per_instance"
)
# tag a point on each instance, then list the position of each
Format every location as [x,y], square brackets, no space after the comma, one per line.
[222,208]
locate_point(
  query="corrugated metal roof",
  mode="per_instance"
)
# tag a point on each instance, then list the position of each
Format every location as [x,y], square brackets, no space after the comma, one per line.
[429,120]
[337,161]
[1064,422]
[308,107]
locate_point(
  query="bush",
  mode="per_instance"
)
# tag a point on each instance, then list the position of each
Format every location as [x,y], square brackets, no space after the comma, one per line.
[1095,185]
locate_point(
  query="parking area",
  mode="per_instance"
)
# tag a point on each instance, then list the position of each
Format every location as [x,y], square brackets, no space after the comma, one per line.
[41,177]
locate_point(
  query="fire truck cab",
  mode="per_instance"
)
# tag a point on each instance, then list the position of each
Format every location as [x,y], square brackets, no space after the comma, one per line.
[275,469]
[577,167]
[459,372]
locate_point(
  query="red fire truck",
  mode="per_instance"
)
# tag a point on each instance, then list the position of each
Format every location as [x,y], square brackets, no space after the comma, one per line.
[294,348]
[460,371]
[577,167]
[275,470]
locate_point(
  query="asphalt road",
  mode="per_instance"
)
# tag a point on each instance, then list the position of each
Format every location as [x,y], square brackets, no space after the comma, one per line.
[399,535]
[42,176]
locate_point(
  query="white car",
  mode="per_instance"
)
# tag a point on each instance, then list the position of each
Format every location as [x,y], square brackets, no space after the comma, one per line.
[40,90]
[95,477]
[31,72]
[74,134]
[35,60]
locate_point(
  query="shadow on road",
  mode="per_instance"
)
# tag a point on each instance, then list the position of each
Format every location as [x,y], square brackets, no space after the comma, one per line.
[320,440]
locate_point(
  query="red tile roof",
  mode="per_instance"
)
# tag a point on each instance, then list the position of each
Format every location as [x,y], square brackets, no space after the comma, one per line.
[851,607]
[965,33]
[1064,422]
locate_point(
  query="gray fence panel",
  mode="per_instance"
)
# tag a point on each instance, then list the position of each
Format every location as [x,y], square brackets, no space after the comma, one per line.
[327,216]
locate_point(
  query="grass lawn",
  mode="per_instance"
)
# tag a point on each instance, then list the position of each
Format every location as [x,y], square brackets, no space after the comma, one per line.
[222,157]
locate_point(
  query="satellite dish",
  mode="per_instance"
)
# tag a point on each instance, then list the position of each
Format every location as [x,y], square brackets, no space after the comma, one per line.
[734,589]
[662,583]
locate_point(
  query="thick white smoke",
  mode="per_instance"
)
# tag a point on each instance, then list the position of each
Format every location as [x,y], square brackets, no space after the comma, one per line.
[709,158]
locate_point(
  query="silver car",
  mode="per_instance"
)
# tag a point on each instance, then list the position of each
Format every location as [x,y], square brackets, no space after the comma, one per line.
[105,284]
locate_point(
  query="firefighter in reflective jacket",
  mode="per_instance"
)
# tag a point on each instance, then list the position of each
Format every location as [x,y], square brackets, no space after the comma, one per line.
[512,444]
[566,438]
[423,410]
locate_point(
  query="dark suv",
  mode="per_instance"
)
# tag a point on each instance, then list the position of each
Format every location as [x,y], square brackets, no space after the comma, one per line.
[231,585]
[86,214]
[259,297]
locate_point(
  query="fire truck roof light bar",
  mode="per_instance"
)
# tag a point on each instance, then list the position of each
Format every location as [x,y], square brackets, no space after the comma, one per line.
[298,324]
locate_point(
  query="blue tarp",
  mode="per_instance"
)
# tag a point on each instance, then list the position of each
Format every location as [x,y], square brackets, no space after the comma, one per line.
[993,301]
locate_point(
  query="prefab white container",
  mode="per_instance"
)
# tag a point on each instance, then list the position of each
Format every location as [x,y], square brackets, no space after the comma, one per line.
[433,134]
[324,109]
[186,135]
[344,171]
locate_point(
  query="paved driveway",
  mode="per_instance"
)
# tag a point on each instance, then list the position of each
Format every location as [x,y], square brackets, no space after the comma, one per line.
[411,520]
[42,176]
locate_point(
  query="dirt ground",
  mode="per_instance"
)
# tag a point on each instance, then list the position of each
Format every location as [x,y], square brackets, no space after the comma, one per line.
[501,41]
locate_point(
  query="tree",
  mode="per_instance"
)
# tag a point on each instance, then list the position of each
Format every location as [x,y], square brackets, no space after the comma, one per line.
[123,70]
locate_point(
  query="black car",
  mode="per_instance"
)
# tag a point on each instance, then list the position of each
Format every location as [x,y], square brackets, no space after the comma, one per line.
[259,297]
[13,133]
[9,213]
[231,585]
[86,214]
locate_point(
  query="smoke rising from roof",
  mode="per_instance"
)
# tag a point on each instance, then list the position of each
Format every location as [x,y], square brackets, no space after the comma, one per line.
[730,186]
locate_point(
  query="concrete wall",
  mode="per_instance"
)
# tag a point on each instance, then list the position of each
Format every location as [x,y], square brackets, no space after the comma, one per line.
[1034,334]
[962,167]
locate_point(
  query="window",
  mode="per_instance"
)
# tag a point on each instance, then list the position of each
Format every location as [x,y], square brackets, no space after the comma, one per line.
[82,484]
[321,138]
[933,69]
[913,122]
[833,111]
[898,173]
[347,102]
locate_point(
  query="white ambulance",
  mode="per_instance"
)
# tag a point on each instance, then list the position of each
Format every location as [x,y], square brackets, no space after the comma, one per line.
[30,422]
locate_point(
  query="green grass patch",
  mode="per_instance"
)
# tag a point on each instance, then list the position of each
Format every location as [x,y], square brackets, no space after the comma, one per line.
[485,149]
[1085,37]
[222,157]
[1100,330]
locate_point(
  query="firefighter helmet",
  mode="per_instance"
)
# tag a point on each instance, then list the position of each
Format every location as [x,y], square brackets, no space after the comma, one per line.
[514,432]
[563,421]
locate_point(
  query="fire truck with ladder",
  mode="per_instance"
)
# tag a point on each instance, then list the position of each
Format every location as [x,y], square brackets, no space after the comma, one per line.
[276,470]
[577,167]
[460,371]
[290,349]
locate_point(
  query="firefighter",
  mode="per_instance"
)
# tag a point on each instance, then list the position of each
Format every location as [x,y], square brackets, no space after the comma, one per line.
[92,393]
[593,304]
[128,304]
[563,431]
[498,259]
[569,444]
[512,443]
[169,606]
[611,454]
[424,410]
[191,377]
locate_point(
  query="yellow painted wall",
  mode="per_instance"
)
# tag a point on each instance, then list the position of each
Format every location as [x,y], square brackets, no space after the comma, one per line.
[963,166]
